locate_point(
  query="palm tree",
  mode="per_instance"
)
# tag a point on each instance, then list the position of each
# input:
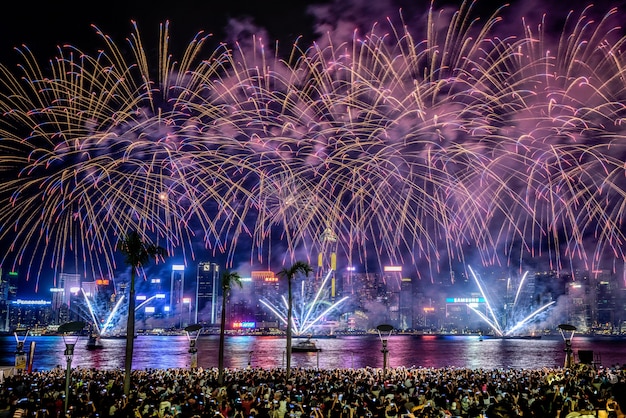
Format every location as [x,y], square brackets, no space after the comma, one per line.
[289,274]
[136,254]
[228,280]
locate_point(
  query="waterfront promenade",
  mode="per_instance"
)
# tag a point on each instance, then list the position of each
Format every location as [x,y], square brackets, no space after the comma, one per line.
[311,393]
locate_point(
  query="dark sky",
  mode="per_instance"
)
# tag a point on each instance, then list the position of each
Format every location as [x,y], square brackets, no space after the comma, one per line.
[43,25]
[56,23]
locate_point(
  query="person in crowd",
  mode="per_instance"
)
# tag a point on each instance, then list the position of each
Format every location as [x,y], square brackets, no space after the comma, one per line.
[339,393]
[5,408]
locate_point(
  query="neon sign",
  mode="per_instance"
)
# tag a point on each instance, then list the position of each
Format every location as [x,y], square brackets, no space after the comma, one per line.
[244,324]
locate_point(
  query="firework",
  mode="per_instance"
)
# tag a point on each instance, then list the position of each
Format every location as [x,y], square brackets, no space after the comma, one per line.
[310,311]
[515,318]
[414,144]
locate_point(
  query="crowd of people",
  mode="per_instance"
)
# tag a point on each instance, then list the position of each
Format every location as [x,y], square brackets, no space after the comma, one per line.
[311,393]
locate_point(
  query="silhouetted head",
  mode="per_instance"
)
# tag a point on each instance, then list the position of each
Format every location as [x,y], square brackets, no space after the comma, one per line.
[618,391]
[501,410]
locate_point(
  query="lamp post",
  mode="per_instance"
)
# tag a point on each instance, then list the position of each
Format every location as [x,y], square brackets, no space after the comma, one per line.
[192,332]
[569,356]
[250,359]
[384,332]
[70,330]
[20,354]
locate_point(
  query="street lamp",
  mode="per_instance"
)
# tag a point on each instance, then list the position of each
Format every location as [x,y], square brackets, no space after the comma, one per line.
[192,332]
[569,356]
[70,330]
[20,354]
[382,330]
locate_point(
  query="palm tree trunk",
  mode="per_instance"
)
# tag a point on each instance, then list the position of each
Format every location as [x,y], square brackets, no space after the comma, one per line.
[130,334]
[220,356]
[289,315]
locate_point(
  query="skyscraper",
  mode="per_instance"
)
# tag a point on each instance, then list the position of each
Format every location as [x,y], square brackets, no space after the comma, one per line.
[392,286]
[69,283]
[266,286]
[66,283]
[8,293]
[207,292]
[405,308]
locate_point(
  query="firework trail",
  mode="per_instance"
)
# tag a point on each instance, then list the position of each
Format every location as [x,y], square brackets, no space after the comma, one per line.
[421,143]
[309,312]
[514,318]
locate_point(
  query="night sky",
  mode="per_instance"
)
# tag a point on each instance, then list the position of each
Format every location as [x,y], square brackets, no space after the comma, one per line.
[44,26]
[41,27]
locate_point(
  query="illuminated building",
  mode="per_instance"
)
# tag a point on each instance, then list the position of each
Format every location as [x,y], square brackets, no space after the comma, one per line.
[327,262]
[265,285]
[392,277]
[605,303]
[177,289]
[65,291]
[207,293]
[8,293]
[347,282]
[367,286]
[68,282]
[390,293]
[458,313]
[606,291]
[405,306]
[241,306]
[29,314]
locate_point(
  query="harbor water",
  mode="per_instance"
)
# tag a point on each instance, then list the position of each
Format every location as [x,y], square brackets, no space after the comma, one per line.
[342,352]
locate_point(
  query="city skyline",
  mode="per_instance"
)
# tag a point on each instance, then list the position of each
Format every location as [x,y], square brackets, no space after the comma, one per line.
[494,304]
[387,134]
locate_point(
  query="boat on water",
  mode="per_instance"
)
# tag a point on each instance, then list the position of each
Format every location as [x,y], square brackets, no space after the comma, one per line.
[114,336]
[306,346]
[94,343]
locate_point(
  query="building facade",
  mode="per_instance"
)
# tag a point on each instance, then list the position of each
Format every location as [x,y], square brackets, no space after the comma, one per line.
[207,293]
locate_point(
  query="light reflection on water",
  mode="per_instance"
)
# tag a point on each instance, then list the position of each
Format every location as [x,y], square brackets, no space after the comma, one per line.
[342,352]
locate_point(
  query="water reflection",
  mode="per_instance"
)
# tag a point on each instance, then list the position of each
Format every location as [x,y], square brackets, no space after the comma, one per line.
[344,352]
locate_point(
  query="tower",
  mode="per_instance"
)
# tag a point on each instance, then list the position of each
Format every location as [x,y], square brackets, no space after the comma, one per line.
[405,306]
[207,292]
[327,260]
[8,293]
[177,288]
[390,291]
[265,285]
[67,286]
